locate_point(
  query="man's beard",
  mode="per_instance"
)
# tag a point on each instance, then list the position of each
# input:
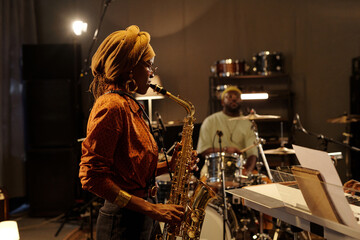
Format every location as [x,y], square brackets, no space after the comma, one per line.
[233,110]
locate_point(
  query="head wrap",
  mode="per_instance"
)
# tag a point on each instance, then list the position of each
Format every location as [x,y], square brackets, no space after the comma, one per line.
[120,52]
[228,89]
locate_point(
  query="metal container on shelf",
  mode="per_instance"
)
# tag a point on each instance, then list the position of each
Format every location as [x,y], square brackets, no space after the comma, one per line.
[267,63]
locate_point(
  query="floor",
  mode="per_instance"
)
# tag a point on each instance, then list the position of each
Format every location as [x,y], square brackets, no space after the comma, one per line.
[56,228]
[78,227]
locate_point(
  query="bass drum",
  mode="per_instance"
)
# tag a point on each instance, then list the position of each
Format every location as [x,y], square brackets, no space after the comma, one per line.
[213,225]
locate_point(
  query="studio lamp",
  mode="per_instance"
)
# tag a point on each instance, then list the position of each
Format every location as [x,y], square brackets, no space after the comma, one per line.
[254,96]
[9,230]
[151,95]
[79,27]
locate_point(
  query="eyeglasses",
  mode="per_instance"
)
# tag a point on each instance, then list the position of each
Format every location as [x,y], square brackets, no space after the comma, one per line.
[150,67]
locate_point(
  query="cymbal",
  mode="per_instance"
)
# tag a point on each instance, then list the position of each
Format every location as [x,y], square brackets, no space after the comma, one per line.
[254,116]
[344,119]
[280,151]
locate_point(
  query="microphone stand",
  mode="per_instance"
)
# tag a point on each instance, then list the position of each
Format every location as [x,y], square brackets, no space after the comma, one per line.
[84,71]
[160,136]
[326,140]
[298,126]
[222,168]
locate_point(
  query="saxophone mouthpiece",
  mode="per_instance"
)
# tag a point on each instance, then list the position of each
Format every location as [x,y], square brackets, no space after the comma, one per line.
[158,89]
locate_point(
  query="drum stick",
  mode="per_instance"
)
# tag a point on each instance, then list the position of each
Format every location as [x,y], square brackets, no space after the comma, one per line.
[251,146]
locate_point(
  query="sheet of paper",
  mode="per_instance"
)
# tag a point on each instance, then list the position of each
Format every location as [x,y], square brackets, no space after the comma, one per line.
[288,195]
[321,161]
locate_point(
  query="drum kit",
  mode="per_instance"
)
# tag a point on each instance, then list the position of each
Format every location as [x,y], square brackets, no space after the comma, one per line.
[224,171]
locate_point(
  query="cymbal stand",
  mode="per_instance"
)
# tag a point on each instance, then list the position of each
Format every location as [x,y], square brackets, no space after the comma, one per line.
[261,150]
[262,235]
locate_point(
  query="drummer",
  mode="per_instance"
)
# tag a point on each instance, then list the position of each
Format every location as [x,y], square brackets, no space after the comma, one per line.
[235,134]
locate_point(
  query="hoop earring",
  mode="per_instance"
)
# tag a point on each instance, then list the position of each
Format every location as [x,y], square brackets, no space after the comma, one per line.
[130,82]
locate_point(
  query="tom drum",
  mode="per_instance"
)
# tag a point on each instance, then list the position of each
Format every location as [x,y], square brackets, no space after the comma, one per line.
[232,165]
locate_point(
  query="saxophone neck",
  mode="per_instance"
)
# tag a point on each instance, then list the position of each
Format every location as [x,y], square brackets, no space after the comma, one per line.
[189,107]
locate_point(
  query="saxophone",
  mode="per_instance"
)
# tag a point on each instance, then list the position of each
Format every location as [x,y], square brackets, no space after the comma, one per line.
[190,226]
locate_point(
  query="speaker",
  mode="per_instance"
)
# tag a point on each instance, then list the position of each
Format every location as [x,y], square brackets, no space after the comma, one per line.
[355,65]
[51,176]
[46,61]
[51,113]
[355,126]
[52,126]
[355,94]
[51,95]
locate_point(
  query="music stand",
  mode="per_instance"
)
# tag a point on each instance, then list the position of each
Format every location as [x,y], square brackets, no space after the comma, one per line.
[315,193]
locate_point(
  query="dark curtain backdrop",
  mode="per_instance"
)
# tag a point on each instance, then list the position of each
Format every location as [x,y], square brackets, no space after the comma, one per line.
[18,26]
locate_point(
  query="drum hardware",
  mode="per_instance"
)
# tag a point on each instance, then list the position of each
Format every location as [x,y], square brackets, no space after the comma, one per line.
[261,235]
[261,150]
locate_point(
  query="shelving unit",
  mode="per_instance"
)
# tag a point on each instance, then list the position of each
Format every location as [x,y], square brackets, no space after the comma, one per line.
[280,102]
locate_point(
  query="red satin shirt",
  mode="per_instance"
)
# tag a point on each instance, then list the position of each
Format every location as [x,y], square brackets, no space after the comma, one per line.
[119,151]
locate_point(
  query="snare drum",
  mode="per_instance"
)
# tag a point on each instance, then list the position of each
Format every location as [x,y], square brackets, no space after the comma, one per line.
[232,165]
[267,63]
[228,68]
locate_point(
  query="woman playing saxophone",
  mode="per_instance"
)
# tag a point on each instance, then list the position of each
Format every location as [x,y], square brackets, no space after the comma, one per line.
[119,159]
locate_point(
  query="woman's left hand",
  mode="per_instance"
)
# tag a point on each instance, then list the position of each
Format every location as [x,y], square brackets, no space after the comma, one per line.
[193,163]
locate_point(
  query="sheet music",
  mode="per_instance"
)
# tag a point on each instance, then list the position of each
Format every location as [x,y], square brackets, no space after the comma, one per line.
[321,161]
[288,195]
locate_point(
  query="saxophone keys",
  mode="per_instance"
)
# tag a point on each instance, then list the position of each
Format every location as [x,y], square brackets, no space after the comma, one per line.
[191,232]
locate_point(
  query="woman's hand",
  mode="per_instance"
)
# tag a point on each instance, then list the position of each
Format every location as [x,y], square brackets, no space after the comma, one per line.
[169,213]
[352,186]
[162,212]
[194,159]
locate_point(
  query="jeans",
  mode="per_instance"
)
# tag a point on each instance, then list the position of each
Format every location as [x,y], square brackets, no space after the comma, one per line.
[115,223]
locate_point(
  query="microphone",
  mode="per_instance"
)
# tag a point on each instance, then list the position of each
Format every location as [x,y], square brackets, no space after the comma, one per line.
[297,124]
[219,133]
[160,121]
